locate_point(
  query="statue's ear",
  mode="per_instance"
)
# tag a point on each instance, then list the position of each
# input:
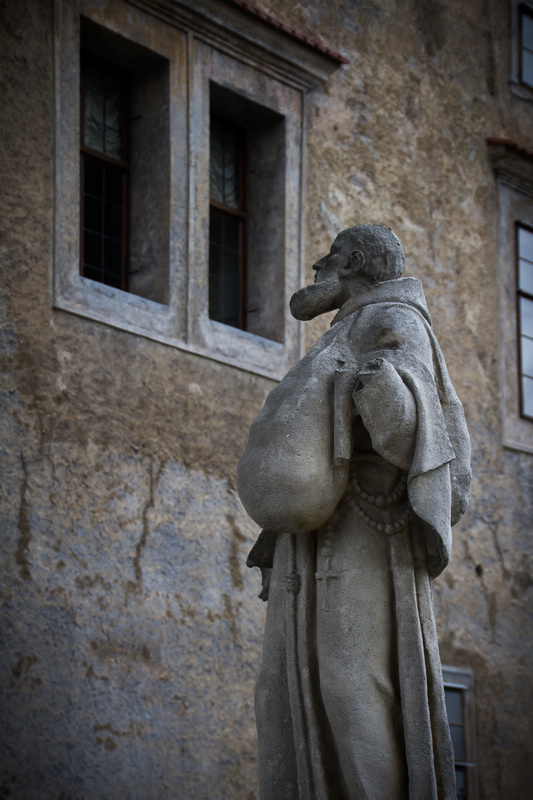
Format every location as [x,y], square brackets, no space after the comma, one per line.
[355,262]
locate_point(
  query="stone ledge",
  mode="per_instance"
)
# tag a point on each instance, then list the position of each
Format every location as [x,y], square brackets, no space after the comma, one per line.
[238,23]
[511,161]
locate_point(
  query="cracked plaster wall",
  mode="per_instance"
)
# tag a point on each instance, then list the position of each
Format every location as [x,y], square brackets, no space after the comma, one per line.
[130,630]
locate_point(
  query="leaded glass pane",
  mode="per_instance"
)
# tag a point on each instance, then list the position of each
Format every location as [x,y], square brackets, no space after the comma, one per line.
[526,351]
[93,214]
[225,149]
[94,109]
[114,186]
[103,223]
[527,396]
[103,111]
[216,173]
[113,222]
[92,250]
[93,178]
[526,317]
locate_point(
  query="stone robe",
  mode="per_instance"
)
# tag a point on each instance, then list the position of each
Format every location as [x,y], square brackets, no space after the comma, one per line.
[349,701]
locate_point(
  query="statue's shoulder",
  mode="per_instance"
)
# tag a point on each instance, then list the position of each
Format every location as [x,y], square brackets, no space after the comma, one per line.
[390,325]
[394,313]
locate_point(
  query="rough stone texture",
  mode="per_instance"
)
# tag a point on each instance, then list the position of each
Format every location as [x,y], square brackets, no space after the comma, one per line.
[396,136]
[356,467]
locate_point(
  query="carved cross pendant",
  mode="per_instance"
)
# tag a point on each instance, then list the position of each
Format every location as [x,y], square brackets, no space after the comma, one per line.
[326,576]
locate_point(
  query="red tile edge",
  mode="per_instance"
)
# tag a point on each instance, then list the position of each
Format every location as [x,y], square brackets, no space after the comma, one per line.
[249,9]
[510,145]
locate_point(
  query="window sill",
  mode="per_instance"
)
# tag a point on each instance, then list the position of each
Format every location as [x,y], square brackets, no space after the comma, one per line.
[521,90]
[266,364]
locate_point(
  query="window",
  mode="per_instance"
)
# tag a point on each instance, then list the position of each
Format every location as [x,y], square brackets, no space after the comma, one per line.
[104,173]
[521,46]
[227,223]
[459,697]
[168,100]
[247,214]
[526,45]
[524,250]
[513,166]
[124,132]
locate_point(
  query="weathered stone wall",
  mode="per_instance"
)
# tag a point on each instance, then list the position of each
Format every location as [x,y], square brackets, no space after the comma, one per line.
[131,634]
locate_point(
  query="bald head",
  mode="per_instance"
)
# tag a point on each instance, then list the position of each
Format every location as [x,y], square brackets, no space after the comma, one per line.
[359,257]
[384,259]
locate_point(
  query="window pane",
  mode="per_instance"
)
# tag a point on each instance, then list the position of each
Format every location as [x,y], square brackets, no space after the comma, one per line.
[526,316]
[224,268]
[232,234]
[526,352]
[92,249]
[94,126]
[231,173]
[454,705]
[460,783]
[103,258]
[525,244]
[458,742]
[112,256]
[92,214]
[112,142]
[527,67]
[525,276]
[113,222]
[94,273]
[527,396]
[94,108]
[216,175]
[225,153]
[103,111]
[94,177]
[113,186]
[527,31]
[113,102]
[216,226]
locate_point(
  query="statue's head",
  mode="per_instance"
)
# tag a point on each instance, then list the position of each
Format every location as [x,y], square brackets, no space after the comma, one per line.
[359,256]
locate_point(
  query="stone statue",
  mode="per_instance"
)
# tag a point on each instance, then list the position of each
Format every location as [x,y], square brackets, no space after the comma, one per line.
[356,469]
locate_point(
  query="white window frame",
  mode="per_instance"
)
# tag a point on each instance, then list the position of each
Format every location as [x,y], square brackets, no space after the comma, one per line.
[201,39]
[514,173]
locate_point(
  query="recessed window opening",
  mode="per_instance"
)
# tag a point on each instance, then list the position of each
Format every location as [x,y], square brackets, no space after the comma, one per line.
[454,708]
[104,173]
[247,212]
[524,250]
[526,45]
[124,164]
[227,224]
[458,695]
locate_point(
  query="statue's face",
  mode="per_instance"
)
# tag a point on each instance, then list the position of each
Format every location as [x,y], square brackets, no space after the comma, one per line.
[329,267]
[329,289]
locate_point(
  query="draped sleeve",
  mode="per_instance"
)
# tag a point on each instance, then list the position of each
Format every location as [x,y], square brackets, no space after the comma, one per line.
[402,395]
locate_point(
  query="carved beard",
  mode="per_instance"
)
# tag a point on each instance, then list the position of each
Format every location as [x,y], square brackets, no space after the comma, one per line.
[315,299]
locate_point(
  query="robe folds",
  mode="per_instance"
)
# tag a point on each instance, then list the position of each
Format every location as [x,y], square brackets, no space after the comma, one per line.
[349,700]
